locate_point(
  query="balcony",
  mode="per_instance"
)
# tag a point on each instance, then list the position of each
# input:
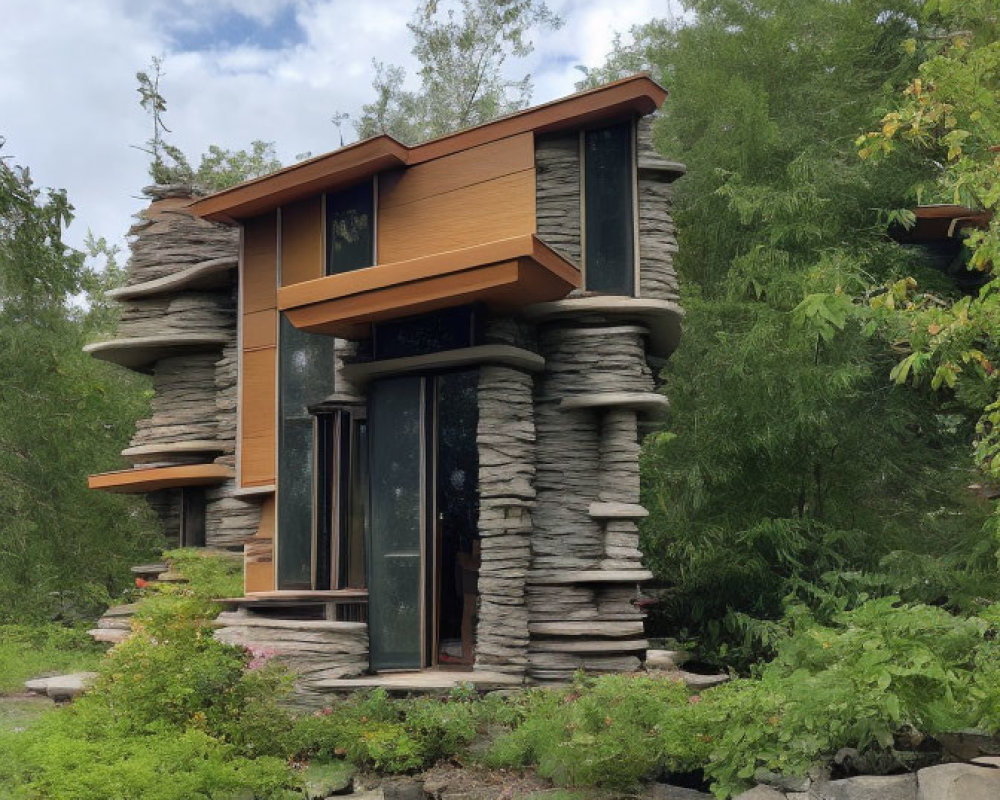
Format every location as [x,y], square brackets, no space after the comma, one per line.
[506,275]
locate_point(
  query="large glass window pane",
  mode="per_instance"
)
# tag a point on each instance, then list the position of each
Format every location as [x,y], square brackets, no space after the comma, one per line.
[428,333]
[350,228]
[306,376]
[609,260]
[394,563]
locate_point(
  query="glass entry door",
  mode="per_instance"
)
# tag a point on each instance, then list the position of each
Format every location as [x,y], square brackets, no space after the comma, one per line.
[423,545]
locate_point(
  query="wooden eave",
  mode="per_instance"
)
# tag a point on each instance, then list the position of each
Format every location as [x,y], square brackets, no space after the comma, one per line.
[505,274]
[638,94]
[939,222]
[152,479]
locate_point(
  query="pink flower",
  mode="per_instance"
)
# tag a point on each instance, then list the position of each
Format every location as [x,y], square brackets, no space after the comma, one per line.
[694,699]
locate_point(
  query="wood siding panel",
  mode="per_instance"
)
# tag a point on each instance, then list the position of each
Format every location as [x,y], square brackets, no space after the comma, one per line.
[302,241]
[260,330]
[260,263]
[483,212]
[258,392]
[257,461]
[465,168]
[258,553]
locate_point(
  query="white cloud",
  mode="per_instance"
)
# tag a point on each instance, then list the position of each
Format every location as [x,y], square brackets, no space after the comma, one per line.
[69,107]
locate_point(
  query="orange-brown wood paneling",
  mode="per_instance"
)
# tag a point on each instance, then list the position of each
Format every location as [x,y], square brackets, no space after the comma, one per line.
[497,201]
[260,263]
[258,358]
[259,330]
[258,417]
[465,168]
[152,479]
[302,241]
[258,553]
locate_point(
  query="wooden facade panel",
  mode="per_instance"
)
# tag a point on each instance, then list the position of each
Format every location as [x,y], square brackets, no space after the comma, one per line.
[302,241]
[465,168]
[260,329]
[484,212]
[258,553]
[260,263]
[257,461]
[258,402]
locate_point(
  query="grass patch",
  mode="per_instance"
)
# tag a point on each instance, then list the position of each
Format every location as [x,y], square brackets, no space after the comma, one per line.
[31,651]
[17,713]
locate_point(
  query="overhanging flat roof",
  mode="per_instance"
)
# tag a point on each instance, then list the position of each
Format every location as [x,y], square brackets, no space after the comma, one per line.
[638,94]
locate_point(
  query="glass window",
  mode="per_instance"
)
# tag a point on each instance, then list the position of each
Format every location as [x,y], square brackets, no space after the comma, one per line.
[350,224]
[609,257]
[305,376]
[427,333]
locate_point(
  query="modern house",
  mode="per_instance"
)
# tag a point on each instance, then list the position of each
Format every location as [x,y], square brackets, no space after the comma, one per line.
[410,382]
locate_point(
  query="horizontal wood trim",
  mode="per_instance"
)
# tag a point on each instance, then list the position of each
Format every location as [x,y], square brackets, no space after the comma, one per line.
[483,212]
[638,94]
[302,241]
[258,272]
[260,329]
[153,479]
[457,170]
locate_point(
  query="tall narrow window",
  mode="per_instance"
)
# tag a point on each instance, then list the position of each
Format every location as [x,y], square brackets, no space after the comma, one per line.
[609,233]
[350,228]
[305,376]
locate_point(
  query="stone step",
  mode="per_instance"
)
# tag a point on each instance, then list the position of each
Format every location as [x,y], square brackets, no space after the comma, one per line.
[109,635]
[617,629]
[590,646]
[600,510]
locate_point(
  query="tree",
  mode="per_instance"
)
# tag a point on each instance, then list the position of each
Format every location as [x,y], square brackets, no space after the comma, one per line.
[462,82]
[217,169]
[791,469]
[62,416]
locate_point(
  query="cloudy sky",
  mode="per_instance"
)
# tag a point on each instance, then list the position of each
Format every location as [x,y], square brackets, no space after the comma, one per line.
[235,70]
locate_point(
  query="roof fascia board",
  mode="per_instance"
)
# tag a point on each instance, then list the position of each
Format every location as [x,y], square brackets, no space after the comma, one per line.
[638,94]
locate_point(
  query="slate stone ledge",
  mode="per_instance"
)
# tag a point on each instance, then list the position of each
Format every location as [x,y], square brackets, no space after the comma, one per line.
[592,576]
[651,404]
[617,511]
[498,354]
[142,352]
[661,317]
[168,449]
[617,629]
[588,646]
[211,274]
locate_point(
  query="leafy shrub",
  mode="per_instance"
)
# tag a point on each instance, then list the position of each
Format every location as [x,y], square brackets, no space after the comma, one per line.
[610,731]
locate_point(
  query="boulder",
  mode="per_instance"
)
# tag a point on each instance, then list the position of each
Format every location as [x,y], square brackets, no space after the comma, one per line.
[62,688]
[666,791]
[760,793]
[958,782]
[868,787]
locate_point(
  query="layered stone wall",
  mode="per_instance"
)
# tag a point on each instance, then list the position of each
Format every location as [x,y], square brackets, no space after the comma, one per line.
[557,193]
[657,234]
[506,442]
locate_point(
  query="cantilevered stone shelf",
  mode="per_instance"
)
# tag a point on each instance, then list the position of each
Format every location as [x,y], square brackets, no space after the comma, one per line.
[211,274]
[502,354]
[140,353]
[594,576]
[426,681]
[617,511]
[650,404]
[590,646]
[617,629]
[147,452]
[661,317]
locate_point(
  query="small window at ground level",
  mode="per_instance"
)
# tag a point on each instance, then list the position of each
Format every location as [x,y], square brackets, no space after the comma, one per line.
[350,228]
[609,228]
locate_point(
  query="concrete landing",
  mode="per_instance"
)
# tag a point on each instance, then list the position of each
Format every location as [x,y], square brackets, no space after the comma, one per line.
[425,681]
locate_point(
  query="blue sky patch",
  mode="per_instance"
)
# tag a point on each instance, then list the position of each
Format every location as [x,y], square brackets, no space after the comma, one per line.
[228,28]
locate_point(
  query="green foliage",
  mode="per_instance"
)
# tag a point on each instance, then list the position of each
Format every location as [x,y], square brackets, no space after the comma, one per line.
[610,731]
[461,77]
[792,470]
[63,415]
[28,651]
[217,169]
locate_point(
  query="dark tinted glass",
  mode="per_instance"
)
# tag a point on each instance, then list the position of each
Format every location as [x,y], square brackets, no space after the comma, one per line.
[427,333]
[305,375]
[350,229]
[394,563]
[609,261]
